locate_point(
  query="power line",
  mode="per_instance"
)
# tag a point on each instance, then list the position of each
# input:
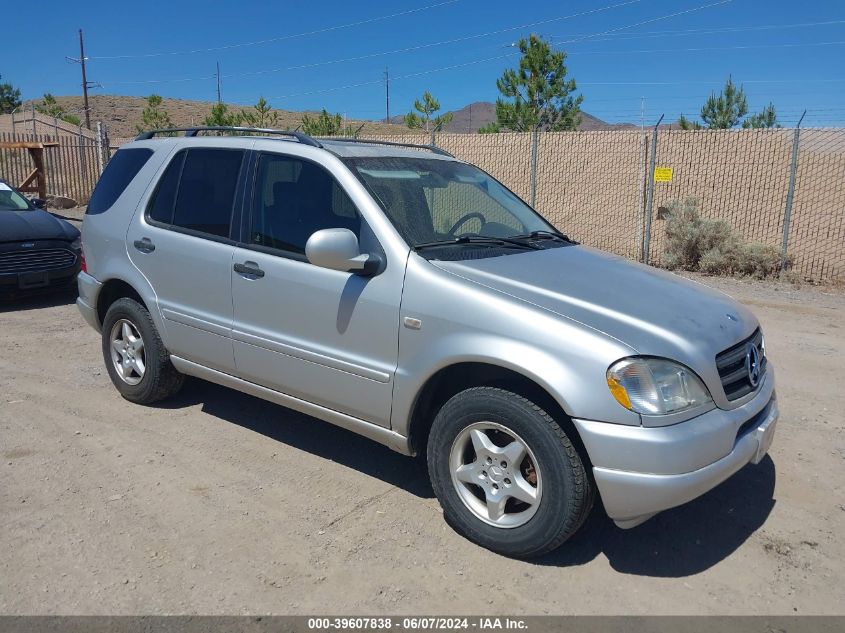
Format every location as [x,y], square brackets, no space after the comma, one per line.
[683,32]
[281,37]
[393,78]
[396,51]
[708,48]
[649,21]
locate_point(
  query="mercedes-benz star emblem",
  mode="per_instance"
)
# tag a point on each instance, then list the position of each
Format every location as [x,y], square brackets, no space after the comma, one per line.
[752,364]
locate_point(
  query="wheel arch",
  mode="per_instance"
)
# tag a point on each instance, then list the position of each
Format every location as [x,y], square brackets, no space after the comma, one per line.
[115,289]
[454,378]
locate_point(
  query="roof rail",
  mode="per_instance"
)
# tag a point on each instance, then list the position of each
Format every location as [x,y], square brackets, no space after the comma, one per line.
[431,148]
[193,131]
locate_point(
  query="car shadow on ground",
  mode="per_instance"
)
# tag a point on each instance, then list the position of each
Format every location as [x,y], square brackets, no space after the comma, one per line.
[51,298]
[305,433]
[676,543]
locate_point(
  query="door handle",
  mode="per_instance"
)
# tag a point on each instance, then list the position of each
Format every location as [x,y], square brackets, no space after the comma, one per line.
[250,269]
[144,245]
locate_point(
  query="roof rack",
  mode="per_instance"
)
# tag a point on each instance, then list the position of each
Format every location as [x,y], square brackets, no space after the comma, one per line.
[193,131]
[431,148]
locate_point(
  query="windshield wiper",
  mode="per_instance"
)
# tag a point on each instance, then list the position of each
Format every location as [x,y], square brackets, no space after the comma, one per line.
[545,235]
[477,239]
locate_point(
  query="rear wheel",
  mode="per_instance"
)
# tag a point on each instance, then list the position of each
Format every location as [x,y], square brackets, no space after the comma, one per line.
[506,474]
[138,364]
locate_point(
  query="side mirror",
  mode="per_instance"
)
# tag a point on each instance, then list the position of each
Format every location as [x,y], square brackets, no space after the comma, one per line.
[337,249]
[38,203]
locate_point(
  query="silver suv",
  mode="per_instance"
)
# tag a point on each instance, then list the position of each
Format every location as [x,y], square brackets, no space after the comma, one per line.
[410,297]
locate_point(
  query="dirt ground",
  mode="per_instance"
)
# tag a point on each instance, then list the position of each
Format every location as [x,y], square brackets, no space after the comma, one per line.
[217,502]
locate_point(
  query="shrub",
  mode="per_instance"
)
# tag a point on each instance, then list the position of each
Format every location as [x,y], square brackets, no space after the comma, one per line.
[758,260]
[711,246]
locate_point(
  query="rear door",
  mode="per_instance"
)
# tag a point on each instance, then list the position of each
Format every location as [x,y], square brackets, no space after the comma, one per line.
[182,244]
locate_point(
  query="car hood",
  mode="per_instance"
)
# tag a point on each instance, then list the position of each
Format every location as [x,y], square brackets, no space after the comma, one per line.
[21,226]
[650,310]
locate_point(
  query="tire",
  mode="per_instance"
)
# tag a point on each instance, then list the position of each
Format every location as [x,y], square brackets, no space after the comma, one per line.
[464,480]
[130,321]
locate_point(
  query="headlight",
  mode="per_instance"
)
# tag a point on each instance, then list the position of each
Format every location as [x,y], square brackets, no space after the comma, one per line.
[76,244]
[654,386]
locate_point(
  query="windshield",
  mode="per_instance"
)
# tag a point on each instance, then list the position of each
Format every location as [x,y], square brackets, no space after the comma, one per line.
[429,200]
[11,200]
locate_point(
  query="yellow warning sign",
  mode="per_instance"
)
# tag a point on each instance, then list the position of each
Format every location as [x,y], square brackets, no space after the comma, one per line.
[662,174]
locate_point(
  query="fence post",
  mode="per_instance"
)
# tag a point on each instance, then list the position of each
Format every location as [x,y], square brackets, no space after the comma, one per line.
[32,109]
[649,204]
[100,156]
[535,132]
[641,188]
[433,140]
[790,193]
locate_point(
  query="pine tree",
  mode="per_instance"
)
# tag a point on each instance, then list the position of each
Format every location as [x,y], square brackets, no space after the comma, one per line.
[537,94]
[765,119]
[728,109]
[51,107]
[261,115]
[10,97]
[221,117]
[325,124]
[427,119]
[154,116]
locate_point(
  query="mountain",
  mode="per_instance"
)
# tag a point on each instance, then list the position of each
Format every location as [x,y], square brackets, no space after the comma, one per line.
[480,113]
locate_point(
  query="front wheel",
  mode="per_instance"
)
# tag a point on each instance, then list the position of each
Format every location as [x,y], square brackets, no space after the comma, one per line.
[506,474]
[138,364]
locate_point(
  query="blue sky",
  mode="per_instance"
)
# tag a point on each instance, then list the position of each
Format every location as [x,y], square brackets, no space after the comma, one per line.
[620,52]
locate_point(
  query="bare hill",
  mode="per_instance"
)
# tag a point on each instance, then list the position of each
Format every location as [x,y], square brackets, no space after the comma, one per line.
[122,115]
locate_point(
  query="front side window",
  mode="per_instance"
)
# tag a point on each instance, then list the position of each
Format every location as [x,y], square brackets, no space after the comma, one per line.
[433,200]
[197,191]
[293,199]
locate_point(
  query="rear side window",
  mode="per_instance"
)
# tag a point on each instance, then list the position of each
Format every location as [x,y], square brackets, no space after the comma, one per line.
[119,172]
[197,191]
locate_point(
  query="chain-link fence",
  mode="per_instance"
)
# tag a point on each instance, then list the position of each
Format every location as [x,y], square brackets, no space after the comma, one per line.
[610,189]
[781,187]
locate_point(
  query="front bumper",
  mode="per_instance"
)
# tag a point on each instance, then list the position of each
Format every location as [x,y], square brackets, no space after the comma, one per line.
[641,471]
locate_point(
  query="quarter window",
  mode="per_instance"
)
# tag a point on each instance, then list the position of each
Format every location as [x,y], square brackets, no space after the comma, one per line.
[295,198]
[119,172]
[164,200]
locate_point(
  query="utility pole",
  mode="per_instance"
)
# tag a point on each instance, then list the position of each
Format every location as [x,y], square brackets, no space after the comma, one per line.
[218,82]
[85,83]
[387,95]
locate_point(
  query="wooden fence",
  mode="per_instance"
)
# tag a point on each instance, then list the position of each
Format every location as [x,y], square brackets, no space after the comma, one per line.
[72,167]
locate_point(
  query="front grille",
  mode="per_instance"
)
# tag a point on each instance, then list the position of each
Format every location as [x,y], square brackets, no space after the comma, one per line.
[36,260]
[732,369]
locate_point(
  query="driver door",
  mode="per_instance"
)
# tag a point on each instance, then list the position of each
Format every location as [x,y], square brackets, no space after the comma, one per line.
[323,336]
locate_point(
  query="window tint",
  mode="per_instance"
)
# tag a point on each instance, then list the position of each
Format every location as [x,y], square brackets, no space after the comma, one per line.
[206,193]
[164,199]
[117,175]
[294,199]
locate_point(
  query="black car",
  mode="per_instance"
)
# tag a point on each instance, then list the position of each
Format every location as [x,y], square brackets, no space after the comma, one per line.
[37,250]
